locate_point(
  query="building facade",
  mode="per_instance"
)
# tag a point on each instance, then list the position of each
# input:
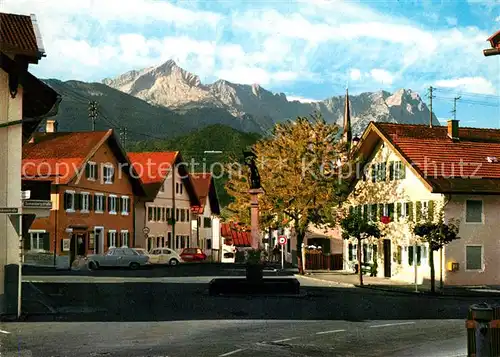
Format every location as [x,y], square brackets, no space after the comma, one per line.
[163,219]
[93,191]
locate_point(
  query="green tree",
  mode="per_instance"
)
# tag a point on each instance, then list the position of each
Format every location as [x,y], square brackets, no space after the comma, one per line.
[437,234]
[305,172]
[355,226]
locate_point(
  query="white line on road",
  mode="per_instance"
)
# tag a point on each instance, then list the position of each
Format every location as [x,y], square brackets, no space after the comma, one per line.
[5,332]
[325,332]
[284,340]
[394,324]
[232,352]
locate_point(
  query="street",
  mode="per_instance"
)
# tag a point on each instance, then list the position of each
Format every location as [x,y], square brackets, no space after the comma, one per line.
[174,316]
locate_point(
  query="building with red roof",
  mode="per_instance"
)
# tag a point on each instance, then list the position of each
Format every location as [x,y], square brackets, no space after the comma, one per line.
[163,219]
[93,190]
[414,173]
[207,223]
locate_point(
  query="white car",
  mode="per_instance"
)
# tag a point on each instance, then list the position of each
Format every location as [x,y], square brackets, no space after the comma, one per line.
[164,256]
[118,257]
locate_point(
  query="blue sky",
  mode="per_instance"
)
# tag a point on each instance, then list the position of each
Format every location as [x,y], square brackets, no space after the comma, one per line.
[305,49]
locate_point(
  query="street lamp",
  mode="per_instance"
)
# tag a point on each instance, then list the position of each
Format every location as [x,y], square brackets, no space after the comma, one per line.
[495,45]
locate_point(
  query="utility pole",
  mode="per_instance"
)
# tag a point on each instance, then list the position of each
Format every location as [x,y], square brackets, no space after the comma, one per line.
[430,105]
[93,113]
[454,111]
[123,136]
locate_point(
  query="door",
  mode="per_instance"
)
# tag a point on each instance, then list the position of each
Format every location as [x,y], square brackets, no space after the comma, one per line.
[98,241]
[387,258]
[154,256]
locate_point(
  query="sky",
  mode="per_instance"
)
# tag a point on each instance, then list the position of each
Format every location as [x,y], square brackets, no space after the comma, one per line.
[309,50]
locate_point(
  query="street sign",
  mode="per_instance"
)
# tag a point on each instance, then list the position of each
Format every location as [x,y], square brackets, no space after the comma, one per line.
[37,203]
[282,240]
[146,230]
[25,195]
[9,210]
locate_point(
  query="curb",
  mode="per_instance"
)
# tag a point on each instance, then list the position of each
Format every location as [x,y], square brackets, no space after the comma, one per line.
[428,293]
[331,283]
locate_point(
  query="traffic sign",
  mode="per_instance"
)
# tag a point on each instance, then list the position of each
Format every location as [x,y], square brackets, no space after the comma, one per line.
[282,240]
[9,209]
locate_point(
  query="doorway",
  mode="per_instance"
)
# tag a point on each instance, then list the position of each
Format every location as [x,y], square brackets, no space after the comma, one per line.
[77,246]
[98,240]
[387,258]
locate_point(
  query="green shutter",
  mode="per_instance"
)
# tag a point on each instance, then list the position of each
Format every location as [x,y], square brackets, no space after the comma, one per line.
[409,211]
[383,172]
[46,241]
[418,211]
[351,210]
[374,253]
[380,210]
[109,204]
[365,212]
[391,170]
[66,199]
[390,208]
[398,210]
[431,211]
[91,201]
[402,171]
[374,172]
[410,255]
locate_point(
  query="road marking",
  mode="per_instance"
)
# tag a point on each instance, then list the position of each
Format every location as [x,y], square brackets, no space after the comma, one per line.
[5,332]
[394,324]
[325,332]
[232,352]
[284,340]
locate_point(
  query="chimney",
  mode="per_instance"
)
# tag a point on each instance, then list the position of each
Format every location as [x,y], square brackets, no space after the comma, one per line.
[51,126]
[453,129]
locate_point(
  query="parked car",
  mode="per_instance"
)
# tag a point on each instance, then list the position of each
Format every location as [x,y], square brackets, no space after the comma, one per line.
[118,257]
[193,255]
[164,256]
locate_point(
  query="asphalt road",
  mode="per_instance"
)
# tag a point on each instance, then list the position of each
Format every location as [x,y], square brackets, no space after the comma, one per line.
[174,316]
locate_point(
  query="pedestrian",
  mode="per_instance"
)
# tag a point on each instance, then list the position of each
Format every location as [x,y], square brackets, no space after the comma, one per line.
[276,253]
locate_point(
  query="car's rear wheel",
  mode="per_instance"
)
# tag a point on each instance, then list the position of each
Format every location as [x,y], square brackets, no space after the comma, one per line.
[173,262]
[93,266]
[134,266]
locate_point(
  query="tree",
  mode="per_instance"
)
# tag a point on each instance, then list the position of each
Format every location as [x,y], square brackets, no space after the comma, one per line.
[355,226]
[437,234]
[305,170]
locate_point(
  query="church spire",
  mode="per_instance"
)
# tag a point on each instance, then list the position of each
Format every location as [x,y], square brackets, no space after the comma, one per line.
[347,135]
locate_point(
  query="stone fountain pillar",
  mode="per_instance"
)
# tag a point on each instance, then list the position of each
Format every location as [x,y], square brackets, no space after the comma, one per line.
[254,216]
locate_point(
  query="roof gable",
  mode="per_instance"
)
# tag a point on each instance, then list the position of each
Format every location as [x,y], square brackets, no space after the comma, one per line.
[19,34]
[205,189]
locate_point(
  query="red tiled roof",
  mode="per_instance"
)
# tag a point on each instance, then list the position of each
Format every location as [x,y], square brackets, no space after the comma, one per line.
[241,238]
[17,34]
[449,165]
[153,167]
[57,157]
[201,182]
[494,39]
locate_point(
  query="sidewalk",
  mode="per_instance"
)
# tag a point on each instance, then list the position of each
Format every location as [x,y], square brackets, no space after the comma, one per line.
[349,279]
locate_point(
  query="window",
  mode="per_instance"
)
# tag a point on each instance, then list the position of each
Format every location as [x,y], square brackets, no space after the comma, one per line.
[158,214]
[181,188]
[150,214]
[474,257]
[177,187]
[99,202]
[397,171]
[169,214]
[111,239]
[69,201]
[207,222]
[169,239]
[474,211]
[38,240]
[108,173]
[399,254]
[379,172]
[91,171]
[425,209]
[373,212]
[187,215]
[177,242]
[125,205]
[85,201]
[176,214]
[112,204]
[125,238]
[350,252]
[163,214]
[410,255]
[209,244]
[183,215]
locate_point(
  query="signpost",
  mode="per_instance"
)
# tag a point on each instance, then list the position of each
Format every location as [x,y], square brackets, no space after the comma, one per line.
[282,241]
[11,210]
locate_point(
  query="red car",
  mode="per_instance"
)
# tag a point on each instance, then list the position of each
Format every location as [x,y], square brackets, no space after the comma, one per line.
[193,255]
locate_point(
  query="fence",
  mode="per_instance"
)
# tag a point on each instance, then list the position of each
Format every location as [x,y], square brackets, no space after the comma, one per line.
[320,261]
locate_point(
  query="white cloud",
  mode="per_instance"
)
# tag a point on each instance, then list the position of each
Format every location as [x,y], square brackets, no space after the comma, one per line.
[382,76]
[478,85]
[355,74]
[497,19]
[291,98]
[254,75]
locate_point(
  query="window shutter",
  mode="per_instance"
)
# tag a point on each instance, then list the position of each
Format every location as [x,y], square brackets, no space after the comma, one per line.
[431,211]
[419,254]
[351,210]
[119,204]
[418,211]
[46,241]
[66,200]
[109,239]
[391,170]
[398,210]
[409,210]
[410,255]
[374,249]
[365,212]
[96,171]
[95,201]
[109,204]
[87,170]
[349,248]
[129,201]
[374,172]
[27,242]
[382,171]
[380,210]
[402,171]
[91,202]
[113,174]
[77,197]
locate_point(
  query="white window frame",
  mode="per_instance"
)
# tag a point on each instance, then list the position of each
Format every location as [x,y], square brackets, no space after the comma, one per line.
[31,232]
[482,213]
[482,258]
[87,195]
[123,234]
[125,199]
[112,238]
[101,197]
[116,201]
[403,214]
[70,210]
[107,179]
[92,171]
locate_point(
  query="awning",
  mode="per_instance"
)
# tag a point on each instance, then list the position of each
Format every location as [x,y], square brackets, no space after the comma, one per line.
[39,100]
